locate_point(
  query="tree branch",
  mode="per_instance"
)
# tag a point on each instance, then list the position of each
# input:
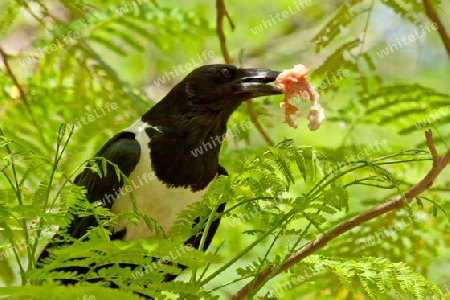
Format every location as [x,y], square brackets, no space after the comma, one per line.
[432,15]
[13,77]
[221,13]
[439,163]
[23,96]
[254,119]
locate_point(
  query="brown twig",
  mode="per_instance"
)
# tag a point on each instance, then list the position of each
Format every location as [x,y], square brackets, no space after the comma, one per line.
[23,96]
[432,15]
[254,119]
[439,163]
[13,77]
[221,13]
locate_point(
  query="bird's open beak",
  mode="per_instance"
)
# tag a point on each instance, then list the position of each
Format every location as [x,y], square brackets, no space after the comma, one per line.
[253,82]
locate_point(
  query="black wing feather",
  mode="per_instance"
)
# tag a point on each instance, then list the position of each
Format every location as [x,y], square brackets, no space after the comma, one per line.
[122,150]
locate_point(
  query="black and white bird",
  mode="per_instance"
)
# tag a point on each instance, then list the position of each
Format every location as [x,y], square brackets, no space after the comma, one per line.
[161,144]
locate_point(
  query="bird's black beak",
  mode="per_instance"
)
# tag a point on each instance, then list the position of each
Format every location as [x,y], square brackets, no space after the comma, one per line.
[252,82]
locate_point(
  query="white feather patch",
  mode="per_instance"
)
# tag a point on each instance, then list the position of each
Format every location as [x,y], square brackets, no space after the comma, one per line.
[152,196]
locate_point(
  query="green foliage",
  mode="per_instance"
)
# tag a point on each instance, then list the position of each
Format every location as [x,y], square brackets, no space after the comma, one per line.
[7,17]
[404,105]
[374,275]
[279,199]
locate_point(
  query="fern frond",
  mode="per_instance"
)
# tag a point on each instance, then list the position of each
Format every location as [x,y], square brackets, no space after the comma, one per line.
[8,17]
[343,17]
[375,275]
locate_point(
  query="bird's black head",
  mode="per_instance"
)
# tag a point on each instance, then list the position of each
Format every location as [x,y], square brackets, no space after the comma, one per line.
[218,87]
[214,90]
[194,114]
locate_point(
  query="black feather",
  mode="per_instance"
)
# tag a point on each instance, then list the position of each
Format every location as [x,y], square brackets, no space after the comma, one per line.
[122,150]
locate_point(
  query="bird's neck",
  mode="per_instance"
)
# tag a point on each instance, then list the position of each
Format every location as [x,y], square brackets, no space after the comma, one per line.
[185,147]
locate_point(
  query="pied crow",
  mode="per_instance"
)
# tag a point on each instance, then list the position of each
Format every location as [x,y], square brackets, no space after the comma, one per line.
[156,152]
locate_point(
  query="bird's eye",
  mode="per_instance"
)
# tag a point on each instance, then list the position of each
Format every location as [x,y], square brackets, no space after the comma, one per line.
[226,73]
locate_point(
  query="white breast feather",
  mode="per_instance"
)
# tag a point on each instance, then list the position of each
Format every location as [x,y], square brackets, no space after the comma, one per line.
[152,196]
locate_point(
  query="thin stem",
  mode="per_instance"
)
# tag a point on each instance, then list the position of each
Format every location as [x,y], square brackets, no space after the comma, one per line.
[433,16]
[24,98]
[439,163]
[251,246]
[221,14]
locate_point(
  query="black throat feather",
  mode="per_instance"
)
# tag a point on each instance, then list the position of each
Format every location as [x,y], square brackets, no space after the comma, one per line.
[181,129]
